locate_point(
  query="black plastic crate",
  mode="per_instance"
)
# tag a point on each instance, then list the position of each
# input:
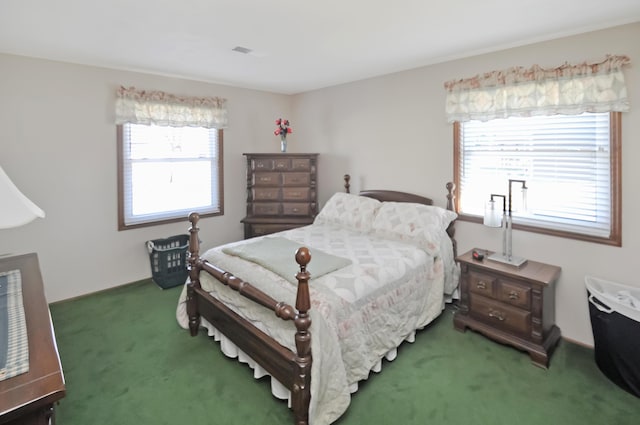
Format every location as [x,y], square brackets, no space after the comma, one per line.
[168,258]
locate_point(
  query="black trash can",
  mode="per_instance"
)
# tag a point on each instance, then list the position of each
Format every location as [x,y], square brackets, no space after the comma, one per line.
[615,321]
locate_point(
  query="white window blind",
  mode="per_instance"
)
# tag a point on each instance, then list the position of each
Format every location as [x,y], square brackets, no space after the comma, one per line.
[565,160]
[169,172]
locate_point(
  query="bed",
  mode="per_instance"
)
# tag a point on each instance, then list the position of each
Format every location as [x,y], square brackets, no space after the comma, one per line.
[371,270]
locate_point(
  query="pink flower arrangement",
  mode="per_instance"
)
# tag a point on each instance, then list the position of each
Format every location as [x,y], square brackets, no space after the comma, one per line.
[283,128]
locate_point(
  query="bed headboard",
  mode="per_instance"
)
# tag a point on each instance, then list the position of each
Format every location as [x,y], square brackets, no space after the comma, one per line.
[395,196]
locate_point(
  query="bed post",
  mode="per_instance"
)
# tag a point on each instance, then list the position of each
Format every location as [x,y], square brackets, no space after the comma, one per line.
[450,206]
[194,266]
[347,186]
[301,393]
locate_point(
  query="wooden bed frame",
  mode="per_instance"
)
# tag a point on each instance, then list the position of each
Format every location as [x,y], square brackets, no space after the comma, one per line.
[291,369]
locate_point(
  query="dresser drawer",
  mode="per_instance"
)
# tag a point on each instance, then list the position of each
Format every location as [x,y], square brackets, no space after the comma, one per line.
[481,283]
[266,229]
[266,194]
[265,208]
[296,209]
[301,164]
[296,179]
[281,164]
[266,179]
[500,315]
[262,164]
[295,194]
[515,293]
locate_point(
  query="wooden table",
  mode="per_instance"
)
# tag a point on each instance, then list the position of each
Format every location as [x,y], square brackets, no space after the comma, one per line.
[29,398]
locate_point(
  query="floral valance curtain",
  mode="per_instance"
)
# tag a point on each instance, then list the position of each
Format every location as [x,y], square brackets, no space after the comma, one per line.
[567,89]
[156,107]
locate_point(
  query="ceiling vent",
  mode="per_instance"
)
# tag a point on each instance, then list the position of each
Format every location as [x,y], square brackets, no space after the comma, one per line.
[241,49]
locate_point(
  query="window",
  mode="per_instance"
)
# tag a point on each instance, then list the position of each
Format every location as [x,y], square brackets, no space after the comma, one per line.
[571,165]
[167,172]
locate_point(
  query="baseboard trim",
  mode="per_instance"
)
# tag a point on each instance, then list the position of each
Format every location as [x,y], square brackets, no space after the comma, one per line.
[102,290]
[582,344]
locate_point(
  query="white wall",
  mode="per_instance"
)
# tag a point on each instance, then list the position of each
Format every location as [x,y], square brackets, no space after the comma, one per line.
[391,132]
[58,145]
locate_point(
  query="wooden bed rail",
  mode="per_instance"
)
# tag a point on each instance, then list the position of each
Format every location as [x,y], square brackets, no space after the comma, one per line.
[300,363]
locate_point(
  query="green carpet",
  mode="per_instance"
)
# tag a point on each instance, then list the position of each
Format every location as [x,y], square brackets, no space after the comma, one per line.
[126,361]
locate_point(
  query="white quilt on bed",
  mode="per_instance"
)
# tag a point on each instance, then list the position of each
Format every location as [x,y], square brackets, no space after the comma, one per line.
[359,312]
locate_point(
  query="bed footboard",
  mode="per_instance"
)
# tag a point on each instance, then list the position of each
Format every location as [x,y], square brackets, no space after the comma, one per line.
[293,370]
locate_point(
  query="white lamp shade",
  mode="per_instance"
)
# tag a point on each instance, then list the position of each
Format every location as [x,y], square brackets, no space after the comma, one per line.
[15,208]
[492,215]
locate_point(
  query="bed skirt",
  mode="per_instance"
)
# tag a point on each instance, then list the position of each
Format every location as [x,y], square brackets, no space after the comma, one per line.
[278,390]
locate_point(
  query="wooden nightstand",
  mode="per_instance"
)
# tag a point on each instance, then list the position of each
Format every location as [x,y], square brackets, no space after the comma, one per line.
[514,306]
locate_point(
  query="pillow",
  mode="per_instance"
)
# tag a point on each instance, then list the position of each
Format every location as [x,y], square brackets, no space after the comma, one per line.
[421,225]
[392,213]
[348,210]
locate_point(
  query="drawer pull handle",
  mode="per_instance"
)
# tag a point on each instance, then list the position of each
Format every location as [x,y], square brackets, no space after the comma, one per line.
[295,193]
[481,284]
[496,315]
[295,210]
[513,295]
[265,179]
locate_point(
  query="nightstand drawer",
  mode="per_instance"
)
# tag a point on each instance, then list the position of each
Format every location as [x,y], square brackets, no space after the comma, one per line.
[515,294]
[500,315]
[480,283]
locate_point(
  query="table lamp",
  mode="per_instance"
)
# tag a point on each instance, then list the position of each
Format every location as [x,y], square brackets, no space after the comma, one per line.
[493,217]
[16,209]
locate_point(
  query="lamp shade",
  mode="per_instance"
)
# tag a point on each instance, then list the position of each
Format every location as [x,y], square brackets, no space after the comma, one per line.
[492,214]
[15,208]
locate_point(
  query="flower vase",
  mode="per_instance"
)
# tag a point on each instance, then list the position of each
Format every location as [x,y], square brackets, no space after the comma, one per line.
[283,145]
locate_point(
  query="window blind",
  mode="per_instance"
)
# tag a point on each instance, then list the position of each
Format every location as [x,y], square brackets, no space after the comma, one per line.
[169,172]
[565,160]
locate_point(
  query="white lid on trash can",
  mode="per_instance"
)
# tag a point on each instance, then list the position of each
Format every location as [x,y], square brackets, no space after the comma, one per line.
[622,298]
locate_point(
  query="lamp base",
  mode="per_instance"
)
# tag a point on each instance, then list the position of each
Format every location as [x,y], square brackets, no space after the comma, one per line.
[513,261]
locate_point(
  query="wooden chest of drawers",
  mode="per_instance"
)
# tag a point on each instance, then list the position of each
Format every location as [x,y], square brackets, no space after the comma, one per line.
[281,192]
[514,306]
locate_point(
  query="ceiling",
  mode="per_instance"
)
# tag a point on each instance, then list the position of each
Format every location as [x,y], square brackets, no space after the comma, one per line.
[296,45]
